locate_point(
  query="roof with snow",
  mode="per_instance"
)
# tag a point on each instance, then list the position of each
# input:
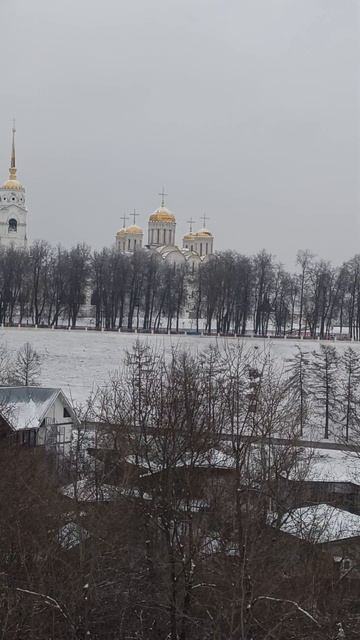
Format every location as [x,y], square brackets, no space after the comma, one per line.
[320,523]
[26,407]
[327,465]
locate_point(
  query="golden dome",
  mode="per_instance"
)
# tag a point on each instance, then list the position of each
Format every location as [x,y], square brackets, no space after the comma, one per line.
[13,185]
[189,236]
[203,233]
[134,229]
[121,232]
[162,215]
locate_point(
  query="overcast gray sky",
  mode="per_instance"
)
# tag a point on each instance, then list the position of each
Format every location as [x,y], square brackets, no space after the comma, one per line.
[245,109]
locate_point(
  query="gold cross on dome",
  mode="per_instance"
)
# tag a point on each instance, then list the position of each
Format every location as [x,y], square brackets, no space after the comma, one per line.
[124,218]
[191,222]
[204,218]
[163,194]
[134,214]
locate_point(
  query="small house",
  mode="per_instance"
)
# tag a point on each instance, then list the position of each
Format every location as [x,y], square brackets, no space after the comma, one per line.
[36,416]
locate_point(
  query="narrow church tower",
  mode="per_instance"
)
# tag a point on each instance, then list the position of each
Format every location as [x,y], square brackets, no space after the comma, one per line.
[13,212]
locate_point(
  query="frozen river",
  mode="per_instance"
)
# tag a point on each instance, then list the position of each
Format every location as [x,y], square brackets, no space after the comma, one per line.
[78,361]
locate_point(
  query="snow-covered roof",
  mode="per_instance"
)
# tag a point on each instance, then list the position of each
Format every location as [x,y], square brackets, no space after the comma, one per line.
[328,465]
[320,523]
[86,490]
[26,407]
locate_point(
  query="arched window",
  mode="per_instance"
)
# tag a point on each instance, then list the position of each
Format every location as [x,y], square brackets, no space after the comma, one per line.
[12,225]
[201,248]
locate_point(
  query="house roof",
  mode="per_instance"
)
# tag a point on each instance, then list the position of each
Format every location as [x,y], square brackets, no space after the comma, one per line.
[321,523]
[85,490]
[26,407]
[326,465]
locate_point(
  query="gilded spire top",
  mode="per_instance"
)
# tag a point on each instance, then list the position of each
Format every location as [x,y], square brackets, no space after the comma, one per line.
[12,170]
[12,183]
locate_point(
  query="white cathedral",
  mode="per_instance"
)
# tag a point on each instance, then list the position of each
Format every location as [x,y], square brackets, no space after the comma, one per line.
[13,212]
[197,246]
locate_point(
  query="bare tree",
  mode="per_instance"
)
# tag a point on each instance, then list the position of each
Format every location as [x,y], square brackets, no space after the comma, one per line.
[27,366]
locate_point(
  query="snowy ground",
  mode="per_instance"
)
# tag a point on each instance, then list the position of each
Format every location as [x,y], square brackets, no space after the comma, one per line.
[78,361]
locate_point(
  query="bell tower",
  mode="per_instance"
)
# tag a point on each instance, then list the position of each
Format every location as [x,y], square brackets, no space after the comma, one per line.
[13,212]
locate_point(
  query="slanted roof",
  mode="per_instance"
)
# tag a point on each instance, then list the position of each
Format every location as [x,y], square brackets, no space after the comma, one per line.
[26,407]
[321,523]
[327,465]
[85,490]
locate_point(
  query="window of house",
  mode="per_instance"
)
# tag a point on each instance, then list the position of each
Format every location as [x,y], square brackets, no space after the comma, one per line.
[66,413]
[346,564]
[12,225]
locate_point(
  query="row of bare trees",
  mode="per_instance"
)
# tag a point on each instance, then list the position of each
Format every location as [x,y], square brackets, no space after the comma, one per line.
[163,531]
[231,292]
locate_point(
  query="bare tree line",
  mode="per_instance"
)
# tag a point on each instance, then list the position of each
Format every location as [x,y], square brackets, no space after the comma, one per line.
[232,293]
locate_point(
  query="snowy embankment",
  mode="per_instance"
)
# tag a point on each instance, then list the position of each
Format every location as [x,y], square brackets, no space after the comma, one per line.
[79,361]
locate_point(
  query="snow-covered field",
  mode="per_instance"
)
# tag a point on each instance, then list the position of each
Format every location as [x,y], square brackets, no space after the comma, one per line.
[79,361]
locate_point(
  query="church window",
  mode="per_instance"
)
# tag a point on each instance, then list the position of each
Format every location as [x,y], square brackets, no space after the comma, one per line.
[206,248]
[158,236]
[164,234]
[201,248]
[12,225]
[134,243]
[192,248]
[129,244]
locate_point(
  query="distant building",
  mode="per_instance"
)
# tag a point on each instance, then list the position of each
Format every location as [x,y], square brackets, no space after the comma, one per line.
[13,212]
[197,246]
